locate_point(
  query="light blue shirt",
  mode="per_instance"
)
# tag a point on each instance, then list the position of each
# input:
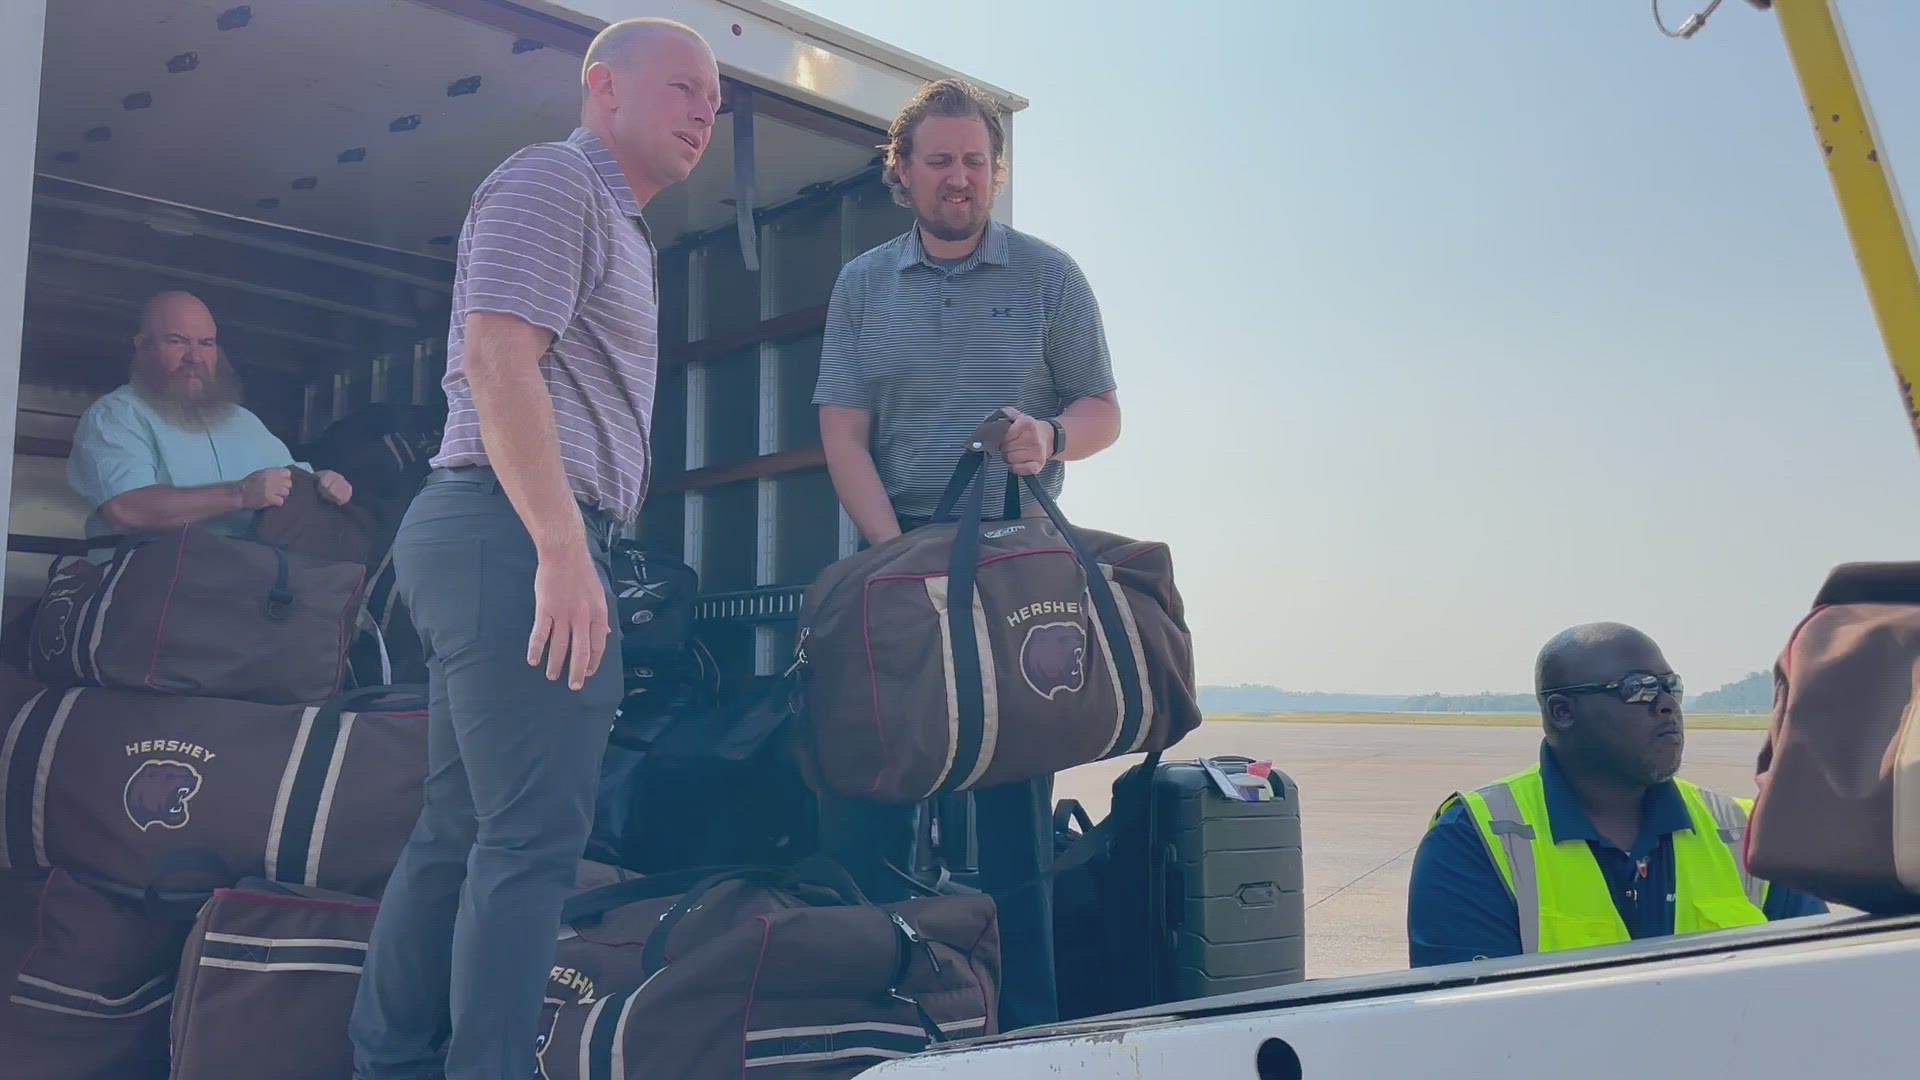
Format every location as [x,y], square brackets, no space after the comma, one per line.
[123,444]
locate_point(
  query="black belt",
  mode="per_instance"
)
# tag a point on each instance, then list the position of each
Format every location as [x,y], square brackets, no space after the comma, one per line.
[600,525]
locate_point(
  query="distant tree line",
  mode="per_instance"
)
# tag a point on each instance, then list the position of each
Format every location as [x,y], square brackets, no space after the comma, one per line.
[1470,703]
[1753,694]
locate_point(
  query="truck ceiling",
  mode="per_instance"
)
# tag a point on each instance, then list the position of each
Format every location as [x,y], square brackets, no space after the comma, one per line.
[371,120]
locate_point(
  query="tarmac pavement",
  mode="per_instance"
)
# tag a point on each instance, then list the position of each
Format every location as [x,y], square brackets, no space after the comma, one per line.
[1366,794]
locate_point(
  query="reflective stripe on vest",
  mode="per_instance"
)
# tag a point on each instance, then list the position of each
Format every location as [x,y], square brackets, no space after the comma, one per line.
[1563,899]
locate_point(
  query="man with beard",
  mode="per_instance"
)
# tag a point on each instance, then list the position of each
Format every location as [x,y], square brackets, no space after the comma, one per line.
[926,336]
[175,446]
[1600,842]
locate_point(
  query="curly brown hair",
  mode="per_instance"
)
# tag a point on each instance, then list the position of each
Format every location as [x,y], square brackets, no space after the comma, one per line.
[947,97]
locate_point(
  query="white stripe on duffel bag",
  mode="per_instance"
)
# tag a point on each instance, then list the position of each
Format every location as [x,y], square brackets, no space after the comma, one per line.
[277,828]
[91,650]
[1139,661]
[989,686]
[7,747]
[153,994]
[342,955]
[326,799]
[840,1042]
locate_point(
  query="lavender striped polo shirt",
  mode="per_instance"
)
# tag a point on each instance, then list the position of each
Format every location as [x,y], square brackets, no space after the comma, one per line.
[555,236]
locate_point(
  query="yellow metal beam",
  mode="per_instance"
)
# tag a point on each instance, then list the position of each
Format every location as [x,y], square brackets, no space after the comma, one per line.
[1862,181]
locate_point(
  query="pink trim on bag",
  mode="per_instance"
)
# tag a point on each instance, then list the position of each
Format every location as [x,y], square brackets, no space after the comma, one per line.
[160,631]
[873,674]
[866,628]
[342,640]
[753,991]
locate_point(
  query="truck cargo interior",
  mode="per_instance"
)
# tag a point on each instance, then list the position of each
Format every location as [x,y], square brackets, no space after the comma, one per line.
[305,168]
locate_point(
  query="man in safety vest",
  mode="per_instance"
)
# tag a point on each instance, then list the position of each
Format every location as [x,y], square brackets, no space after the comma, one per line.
[1599,843]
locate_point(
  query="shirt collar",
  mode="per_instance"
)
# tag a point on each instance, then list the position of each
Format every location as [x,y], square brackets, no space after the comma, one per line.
[992,249]
[1663,812]
[609,171]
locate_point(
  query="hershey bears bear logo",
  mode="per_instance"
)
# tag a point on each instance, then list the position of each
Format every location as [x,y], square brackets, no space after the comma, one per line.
[56,616]
[158,792]
[1053,658]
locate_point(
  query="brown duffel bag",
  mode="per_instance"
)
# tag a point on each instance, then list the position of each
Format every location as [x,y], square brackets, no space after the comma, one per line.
[268,977]
[1838,809]
[93,994]
[307,524]
[193,613]
[764,973]
[267,981]
[975,652]
[175,794]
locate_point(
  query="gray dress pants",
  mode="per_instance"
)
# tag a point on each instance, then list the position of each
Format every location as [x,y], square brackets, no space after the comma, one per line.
[458,965]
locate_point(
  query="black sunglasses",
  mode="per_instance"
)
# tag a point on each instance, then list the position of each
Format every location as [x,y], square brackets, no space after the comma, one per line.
[1633,689]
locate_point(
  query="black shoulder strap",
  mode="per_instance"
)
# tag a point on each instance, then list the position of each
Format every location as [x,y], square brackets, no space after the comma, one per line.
[305,786]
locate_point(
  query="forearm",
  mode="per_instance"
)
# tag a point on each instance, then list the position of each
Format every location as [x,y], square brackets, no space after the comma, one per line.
[1092,423]
[516,427]
[158,506]
[856,479]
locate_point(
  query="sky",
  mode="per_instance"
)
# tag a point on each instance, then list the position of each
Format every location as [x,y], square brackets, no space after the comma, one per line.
[1442,327]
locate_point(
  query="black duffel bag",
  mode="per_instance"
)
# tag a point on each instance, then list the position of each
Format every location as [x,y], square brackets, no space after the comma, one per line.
[654,595]
[702,785]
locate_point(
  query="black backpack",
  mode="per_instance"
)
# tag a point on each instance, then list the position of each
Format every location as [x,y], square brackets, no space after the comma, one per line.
[655,594]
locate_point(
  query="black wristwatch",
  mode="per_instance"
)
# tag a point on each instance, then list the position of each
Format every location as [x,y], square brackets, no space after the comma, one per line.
[1059,437]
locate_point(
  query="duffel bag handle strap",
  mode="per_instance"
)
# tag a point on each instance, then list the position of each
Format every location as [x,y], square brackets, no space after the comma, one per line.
[1870,583]
[115,541]
[1070,812]
[280,596]
[586,908]
[653,956]
[963,564]
[987,438]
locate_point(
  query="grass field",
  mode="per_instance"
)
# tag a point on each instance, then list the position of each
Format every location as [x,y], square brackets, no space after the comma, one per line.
[1699,722]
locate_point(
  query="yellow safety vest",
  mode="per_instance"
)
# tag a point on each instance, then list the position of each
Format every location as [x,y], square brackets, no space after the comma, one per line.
[1563,898]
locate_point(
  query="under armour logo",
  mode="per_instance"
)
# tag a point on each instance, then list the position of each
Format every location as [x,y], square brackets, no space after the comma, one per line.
[1002,312]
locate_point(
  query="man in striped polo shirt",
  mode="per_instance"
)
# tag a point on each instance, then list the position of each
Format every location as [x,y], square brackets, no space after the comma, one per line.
[926,336]
[503,560]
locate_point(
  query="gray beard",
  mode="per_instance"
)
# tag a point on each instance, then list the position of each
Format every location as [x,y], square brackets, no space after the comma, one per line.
[201,415]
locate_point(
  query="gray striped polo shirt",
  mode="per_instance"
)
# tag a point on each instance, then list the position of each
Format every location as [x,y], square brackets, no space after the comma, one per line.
[931,351]
[555,236]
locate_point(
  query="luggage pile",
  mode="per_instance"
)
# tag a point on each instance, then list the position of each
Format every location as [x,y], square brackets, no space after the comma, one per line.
[383,450]
[683,732]
[977,651]
[184,725]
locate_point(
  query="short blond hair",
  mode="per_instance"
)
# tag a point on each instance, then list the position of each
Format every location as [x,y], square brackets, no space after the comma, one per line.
[947,97]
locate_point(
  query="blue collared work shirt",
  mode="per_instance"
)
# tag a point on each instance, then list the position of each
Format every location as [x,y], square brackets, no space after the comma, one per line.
[1458,907]
[123,444]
